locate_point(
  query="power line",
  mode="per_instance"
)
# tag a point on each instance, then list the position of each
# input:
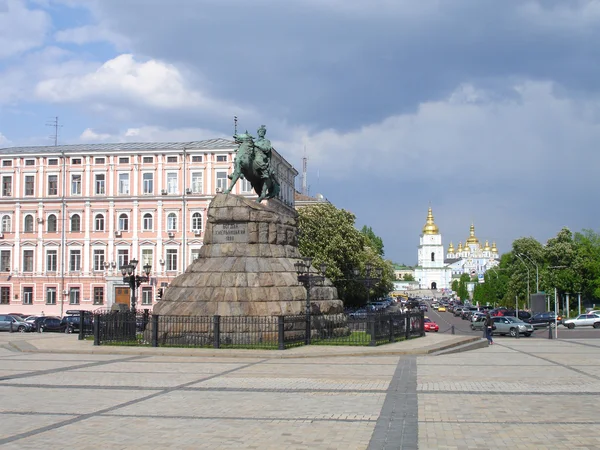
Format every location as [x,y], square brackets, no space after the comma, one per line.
[54,124]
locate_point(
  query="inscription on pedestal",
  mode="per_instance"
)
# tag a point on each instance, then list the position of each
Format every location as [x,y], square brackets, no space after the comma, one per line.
[230,232]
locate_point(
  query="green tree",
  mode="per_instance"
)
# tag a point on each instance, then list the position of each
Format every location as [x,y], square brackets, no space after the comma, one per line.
[462,290]
[408,277]
[375,241]
[455,285]
[587,262]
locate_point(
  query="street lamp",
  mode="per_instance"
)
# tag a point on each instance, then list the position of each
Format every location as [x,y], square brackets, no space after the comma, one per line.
[309,279]
[134,280]
[518,255]
[372,277]
[537,272]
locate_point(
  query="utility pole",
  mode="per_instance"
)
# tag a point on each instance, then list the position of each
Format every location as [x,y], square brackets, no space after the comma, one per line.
[54,124]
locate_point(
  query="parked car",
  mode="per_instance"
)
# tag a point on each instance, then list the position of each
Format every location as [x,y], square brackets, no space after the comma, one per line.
[70,322]
[542,320]
[506,325]
[22,316]
[458,310]
[18,324]
[441,308]
[523,315]
[583,320]
[49,323]
[430,325]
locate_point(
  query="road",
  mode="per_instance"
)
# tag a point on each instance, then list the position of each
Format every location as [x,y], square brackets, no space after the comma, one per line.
[446,319]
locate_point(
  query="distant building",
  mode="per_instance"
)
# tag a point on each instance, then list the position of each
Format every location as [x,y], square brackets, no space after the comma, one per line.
[472,258]
[72,215]
[302,200]
[431,271]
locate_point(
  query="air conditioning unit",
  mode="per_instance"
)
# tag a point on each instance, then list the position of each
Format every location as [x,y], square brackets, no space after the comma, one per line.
[40,220]
[1,235]
[118,234]
[171,234]
[197,232]
[188,191]
[163,192]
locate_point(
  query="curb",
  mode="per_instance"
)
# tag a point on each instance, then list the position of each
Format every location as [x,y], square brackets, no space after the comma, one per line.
[480,343]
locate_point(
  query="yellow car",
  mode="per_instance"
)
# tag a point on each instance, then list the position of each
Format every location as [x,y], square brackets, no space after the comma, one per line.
[442,308]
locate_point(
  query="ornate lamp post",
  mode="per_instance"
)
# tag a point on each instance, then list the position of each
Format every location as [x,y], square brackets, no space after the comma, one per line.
[373,276]
[309,279]
[134,280]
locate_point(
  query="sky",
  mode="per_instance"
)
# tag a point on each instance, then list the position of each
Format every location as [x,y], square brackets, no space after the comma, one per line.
[488,111]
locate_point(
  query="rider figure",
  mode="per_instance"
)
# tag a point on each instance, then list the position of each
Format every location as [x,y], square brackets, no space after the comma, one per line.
[262,154]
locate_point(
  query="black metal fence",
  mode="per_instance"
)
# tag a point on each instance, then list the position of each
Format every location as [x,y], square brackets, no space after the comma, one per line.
[266,332]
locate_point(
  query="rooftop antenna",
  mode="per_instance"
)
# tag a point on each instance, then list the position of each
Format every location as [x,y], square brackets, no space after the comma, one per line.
[54,124]
[304,173]
[234,125]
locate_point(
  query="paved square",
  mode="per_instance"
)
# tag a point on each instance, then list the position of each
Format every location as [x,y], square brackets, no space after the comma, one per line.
[517,394]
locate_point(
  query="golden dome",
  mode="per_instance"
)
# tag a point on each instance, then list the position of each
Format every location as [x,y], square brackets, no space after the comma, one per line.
[460,249]
[451,248]
[472,239]
[487,246]
[494,249]
[430,226]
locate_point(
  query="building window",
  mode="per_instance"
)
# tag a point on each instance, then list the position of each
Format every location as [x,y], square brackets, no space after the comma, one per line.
[98,259]
[51,224]
[28,224]
[28,295]
[74,296]
[99,222]
[221,158]
[171,222]
[53,162]
[5,260]
[148,183]
[52,184]
[76,161]
[246,186]
[123,222]
[195,254]
[171,159]
[99,161]
[147,222]
[7,163]
[30,162]
[122,258]
[75,184]
[197,158]
[196,221]
[197,182]
[29,185]
[100,184]
[6,224]
[124,160]
[432,256]
[75,260]
[148,159]
[75,222]
[221,181]
[51,296]
[6,186]
[98,295]
[147,296]
[51,260]
[123,183]
[172,259]
[147,257]
[4,295]
[27,260]
[172,183]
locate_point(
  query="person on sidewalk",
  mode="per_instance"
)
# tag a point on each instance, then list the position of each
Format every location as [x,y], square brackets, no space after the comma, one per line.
[489,326]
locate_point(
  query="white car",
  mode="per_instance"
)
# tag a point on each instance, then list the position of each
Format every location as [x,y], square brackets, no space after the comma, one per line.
[583,320]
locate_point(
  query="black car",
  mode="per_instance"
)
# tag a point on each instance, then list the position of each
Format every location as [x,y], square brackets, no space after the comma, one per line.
[48,323]
[542,320]
[523,315]
[70,323]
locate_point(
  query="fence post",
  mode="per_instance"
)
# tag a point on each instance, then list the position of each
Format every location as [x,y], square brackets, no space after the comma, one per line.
[154,330]
[391,325]
[281,332]
[11,323]
[81,325]
[422,323]
[96,325]
[145,319]
[452,332]
[407,326]
[549,331]
[371,326]
[216,331]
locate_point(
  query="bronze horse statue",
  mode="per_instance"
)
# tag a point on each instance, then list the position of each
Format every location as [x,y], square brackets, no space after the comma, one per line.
[253,164]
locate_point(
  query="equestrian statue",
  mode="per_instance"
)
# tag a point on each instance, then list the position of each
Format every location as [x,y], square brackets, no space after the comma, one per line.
[253,162]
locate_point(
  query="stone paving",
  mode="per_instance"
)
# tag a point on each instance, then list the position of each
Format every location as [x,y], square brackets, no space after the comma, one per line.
[516,394]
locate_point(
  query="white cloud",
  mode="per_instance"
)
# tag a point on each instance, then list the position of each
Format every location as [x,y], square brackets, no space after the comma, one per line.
[4,142]
[21,29]
[150,134]
[91,33]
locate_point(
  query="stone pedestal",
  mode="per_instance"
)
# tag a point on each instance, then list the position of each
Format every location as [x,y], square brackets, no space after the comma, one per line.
[246,266]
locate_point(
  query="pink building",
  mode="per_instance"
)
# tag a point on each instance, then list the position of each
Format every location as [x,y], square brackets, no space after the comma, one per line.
[72,215]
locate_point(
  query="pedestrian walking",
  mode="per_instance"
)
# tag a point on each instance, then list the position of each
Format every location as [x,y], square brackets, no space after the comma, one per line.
[489,326]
